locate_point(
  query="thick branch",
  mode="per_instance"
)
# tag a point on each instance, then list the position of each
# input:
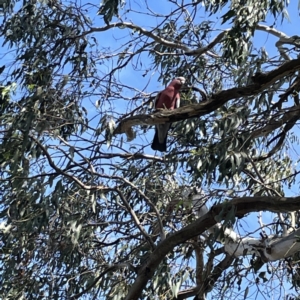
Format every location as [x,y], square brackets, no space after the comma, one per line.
[242,206]
[263,81]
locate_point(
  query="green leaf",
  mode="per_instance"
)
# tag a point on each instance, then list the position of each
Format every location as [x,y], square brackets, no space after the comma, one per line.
[246,292]
[230,14]
[108,9]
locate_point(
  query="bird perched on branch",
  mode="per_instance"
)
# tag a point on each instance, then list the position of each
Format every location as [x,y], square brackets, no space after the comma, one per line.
[169,98]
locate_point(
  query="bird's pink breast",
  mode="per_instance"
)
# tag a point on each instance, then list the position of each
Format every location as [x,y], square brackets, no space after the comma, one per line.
[167,99]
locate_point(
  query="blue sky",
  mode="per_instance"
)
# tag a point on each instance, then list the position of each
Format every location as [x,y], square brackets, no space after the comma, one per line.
[149,84]
[261,39]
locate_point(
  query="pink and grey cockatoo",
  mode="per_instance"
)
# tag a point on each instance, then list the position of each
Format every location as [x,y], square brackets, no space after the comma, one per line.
[169,98]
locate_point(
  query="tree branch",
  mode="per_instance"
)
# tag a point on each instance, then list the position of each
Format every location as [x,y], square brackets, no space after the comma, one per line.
[288,116]
[142,31]
[242,207]
[135,219]
[263,81]
[211,279]
[64,173]
[283,39]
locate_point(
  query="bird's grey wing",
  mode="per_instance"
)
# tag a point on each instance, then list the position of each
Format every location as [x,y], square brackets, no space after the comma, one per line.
[162,131]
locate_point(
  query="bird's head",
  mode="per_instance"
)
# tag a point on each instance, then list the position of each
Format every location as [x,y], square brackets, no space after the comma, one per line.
[177,82]
[181,80]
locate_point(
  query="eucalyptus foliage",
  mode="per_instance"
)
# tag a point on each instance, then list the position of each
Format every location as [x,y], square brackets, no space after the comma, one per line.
[89,212]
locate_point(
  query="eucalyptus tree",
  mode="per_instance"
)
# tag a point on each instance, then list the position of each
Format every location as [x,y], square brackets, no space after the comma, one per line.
[88,210]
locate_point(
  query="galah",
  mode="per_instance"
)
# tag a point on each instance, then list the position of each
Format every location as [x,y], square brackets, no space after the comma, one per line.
[169,98]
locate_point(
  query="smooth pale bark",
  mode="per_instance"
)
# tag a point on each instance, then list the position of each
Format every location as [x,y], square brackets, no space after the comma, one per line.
[242,206]
[270,248]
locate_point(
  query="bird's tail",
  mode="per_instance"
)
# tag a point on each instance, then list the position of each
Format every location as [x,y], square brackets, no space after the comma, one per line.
[160,146]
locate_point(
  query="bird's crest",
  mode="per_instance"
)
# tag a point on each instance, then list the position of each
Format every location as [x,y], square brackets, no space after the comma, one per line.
[181,79]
